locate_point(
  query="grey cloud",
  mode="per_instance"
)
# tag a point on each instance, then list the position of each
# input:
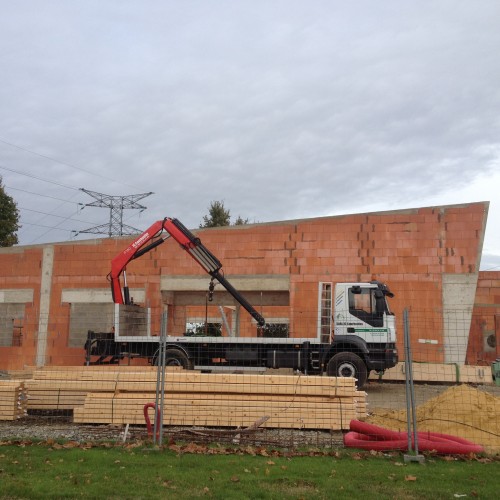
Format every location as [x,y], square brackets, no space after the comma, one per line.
[283,109]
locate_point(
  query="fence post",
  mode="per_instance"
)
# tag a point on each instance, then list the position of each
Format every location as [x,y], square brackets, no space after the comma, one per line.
[411,414]
[160,383]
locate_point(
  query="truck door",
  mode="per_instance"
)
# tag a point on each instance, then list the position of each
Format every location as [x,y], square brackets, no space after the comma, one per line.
[367,308]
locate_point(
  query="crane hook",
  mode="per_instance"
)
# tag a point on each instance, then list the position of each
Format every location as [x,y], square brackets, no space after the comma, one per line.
[211,288]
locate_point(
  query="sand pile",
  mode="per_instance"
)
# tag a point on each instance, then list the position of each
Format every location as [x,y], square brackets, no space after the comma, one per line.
[461,411]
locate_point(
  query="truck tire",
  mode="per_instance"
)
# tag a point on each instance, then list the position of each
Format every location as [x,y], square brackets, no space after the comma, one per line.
[348,364]
[174,357]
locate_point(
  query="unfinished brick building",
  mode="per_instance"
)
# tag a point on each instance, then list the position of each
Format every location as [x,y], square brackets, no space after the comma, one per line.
[51,294]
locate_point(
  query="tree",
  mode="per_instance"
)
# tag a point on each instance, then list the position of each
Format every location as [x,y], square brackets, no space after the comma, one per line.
[217,215]
[9,219]
[240,221]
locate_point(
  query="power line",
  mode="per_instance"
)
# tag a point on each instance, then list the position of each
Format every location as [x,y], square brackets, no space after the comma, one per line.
[116,218]
[115,229]
[37,224]
[491,268]
[81,205]
[42,195]
[38,178]
[54,215]
[55,160]
[46,214]
[52,228]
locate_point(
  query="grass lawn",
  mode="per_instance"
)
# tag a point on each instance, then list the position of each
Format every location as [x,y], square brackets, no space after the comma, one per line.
[70,471]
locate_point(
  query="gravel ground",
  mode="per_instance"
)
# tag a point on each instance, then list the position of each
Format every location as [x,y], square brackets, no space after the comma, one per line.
[61,428]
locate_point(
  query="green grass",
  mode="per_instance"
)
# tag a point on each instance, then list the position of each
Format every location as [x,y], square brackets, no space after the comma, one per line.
[42,471]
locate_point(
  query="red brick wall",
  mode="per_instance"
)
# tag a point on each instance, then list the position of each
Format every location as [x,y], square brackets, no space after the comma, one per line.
[408,249]
[20,269]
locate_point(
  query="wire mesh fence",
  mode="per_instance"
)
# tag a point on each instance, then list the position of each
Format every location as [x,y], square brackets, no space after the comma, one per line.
[98,373]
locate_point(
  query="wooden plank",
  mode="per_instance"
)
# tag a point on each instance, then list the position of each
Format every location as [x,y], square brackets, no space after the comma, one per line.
[439,372]
[229,414]
[246,387]
[193,386]
[186,399]
[11,385]
[61,385]
[223,412]
[90,368]
[240,420]
[197,377]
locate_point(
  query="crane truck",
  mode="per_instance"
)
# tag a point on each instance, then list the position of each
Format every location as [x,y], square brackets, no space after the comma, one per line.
[363,337]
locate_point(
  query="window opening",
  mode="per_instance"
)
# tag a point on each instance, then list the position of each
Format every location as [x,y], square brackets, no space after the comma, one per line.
[275,330]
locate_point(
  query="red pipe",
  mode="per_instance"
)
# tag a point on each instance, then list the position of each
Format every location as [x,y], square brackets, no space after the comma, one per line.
[357,440]
[146,408]
[372,437]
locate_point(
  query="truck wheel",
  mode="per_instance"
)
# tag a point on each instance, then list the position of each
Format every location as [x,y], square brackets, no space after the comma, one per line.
[174,357]
[348,364]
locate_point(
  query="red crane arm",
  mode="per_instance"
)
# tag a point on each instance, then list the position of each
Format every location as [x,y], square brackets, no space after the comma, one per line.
[150,239]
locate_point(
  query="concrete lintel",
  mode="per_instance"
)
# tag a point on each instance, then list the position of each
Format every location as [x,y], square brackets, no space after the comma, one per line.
[97,295]
[242,283]
[16,296]
[198,298]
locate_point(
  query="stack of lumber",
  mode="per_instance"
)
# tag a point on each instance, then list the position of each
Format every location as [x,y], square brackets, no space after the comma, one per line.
[439,372]
[226,400]
[12,399]
[22,374]
[118,394]
[64,388]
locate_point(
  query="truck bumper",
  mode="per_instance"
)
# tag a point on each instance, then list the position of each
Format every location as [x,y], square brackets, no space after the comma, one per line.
[383,359]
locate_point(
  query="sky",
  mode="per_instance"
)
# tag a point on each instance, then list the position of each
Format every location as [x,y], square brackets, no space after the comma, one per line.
[282,109]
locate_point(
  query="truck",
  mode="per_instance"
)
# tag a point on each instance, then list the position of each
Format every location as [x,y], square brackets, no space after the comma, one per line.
[361,338]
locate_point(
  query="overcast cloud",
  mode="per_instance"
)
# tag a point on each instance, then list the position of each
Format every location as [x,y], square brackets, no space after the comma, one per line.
[282,109]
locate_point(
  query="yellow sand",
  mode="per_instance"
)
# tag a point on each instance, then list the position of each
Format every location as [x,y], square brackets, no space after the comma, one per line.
[461,411]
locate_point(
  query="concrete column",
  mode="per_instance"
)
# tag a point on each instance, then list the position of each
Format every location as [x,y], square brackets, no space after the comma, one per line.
[459,291]
[45,290]
[236,321]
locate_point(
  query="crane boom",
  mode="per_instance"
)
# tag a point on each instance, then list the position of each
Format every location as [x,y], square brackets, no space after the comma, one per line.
[153,237]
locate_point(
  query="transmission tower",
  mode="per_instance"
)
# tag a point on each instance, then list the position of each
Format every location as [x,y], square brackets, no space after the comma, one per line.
[116,205]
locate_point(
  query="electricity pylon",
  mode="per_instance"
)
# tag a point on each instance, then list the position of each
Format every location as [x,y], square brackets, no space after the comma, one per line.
[116,205]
